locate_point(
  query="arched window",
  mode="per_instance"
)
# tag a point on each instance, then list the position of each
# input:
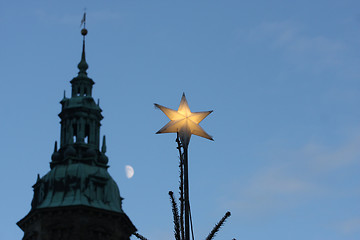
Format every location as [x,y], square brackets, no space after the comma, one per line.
[87,133]
[74,132]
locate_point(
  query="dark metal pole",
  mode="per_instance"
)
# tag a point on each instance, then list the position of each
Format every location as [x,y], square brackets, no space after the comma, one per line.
[186,194]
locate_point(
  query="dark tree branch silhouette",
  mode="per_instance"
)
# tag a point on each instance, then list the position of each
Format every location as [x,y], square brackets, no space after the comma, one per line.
[139,236]
[218,226]
[176,216]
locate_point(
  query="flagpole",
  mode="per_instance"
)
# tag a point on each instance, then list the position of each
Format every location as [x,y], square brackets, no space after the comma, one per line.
[186,194]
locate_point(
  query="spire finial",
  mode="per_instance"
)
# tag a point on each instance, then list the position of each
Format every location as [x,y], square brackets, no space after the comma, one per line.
[83,23]
[83,66]
[103,148]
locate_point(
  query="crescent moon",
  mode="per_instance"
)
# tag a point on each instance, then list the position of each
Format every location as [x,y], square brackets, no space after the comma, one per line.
[129,171]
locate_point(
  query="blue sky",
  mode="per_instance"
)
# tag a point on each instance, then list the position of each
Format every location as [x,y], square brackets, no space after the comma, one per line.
[282,77]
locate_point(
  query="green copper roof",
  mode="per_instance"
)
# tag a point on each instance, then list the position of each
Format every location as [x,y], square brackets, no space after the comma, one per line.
[77,184]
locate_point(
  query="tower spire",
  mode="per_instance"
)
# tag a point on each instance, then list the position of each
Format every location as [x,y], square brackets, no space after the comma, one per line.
[83,66]
[78,185]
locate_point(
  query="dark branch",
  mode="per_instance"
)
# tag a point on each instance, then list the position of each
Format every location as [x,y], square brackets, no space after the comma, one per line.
[176,216]
[139,236]
[218,226]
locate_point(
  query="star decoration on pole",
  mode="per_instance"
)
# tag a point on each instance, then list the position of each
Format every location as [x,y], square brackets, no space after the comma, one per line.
[184,122]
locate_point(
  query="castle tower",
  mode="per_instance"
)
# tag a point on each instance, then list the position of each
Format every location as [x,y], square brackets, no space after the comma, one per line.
[78,199]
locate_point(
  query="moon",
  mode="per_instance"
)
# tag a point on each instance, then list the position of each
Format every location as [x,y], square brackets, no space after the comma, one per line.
[129,171]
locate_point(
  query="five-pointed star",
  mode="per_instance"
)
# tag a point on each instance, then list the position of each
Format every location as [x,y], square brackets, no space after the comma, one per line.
[184,122]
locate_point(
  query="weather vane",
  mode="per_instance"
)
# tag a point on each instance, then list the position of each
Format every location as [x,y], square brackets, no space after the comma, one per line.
[185,123]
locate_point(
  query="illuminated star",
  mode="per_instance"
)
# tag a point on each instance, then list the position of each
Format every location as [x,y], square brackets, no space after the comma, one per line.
[184,122]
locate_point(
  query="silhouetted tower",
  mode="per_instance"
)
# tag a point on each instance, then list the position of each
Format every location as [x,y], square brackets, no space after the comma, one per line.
[78,199]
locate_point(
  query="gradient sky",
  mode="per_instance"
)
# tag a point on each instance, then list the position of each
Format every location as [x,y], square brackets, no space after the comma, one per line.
[282,77]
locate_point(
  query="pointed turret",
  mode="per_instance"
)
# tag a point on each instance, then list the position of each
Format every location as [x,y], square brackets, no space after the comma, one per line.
[79,151]
[80,115]
[103,147]
[78,198]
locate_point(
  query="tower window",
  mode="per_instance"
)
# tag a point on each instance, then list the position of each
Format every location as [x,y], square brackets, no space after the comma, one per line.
[87,133]
[78,92]
[85,92]
[74,132]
